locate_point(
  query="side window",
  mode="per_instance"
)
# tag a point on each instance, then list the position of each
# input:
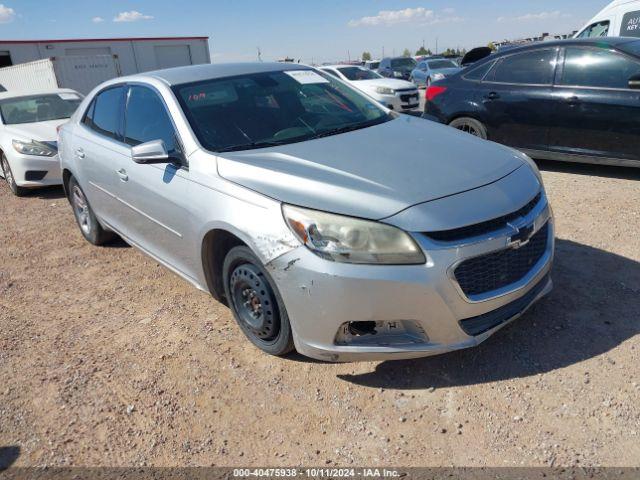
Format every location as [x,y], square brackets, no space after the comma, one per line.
[532,68]
[480,72]
[630,24]
[597,68]
[105,113]
[600,29]
[332,73]
[146,119]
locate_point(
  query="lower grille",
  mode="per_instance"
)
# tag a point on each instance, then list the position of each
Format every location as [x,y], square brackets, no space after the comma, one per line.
[409,98]
[483,323]
[34,175]
[499,269]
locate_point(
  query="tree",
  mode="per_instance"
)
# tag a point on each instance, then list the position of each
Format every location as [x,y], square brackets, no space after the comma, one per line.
[366,56]
[406,53]
[422,52]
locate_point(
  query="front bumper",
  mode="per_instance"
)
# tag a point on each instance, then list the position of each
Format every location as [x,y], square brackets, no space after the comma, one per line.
[395,102]
[24,167]
[321,296]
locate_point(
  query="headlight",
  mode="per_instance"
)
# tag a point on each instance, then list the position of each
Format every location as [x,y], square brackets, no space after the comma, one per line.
[33,148]
[351,240]
[385,91]
[438,76]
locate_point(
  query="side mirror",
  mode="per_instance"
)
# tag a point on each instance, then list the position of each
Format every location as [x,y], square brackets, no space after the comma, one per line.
[150,152]
[634,82]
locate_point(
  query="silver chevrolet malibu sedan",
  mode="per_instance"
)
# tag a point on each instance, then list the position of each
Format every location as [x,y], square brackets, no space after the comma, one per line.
[326,222]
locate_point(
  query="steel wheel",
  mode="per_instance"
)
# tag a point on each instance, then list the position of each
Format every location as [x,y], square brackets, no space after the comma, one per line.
[254,302]
[81,209]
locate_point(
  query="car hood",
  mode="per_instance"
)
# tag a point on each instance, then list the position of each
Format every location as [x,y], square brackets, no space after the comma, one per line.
[375,172]
[41,131]
[384,82]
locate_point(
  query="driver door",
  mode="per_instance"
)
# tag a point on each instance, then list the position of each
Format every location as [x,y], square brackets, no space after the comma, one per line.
[157,213]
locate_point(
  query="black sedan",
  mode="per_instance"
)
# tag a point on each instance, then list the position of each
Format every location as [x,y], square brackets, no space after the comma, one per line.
[572,100]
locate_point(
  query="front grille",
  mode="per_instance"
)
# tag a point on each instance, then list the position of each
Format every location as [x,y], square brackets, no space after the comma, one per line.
[483,323]
[491,272]
[409,98]
[484,227]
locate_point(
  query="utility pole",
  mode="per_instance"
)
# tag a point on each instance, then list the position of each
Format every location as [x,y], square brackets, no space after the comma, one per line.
[383,51]
[436,45]
[349,55]
[259,54]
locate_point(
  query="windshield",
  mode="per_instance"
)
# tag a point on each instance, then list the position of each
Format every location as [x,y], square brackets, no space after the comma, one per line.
[358,73]
[274,108]
[437,64]
[40,108]
[403,63]
[373,65]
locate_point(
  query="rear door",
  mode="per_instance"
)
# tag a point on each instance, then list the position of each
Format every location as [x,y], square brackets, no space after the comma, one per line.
[596,114]
[517,101]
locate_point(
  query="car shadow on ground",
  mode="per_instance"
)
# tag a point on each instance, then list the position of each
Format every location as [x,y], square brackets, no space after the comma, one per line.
[595,306]
[47,193]
[606,171]
[8,456]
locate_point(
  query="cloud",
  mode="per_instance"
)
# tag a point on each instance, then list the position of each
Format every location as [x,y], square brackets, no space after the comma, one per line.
[536,16]
[7,14]
[97,19]
[132,16]
[419,15]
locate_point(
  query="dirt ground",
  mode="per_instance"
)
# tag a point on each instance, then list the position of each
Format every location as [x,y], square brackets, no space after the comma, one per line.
[108,359]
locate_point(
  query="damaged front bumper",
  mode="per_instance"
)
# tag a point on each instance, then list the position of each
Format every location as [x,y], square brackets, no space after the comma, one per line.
[398,312]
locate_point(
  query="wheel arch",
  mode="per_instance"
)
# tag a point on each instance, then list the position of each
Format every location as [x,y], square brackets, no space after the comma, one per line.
[216,244]
[66,176]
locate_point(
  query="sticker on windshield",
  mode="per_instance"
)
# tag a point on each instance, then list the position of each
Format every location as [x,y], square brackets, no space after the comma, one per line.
[306,77]
[69,96]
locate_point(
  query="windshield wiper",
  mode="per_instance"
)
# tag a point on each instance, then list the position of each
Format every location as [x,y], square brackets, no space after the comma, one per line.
[250,146]
[347,128]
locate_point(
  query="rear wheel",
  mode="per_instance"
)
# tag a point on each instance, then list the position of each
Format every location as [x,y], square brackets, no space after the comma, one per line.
[255,302]
[11,181]
[471,126]
[90,228]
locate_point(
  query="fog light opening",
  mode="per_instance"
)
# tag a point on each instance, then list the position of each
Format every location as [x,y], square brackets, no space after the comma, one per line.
[360,329]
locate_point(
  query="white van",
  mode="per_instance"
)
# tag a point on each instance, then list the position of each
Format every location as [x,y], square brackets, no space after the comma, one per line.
[621,18]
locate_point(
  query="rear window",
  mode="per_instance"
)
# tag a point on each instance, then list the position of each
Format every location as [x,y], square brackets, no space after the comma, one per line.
[437,64]
[39,108]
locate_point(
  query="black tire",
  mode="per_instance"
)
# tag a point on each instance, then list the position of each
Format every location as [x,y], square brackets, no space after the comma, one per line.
[471,126]
[11,181]
[89,226]
[256,303]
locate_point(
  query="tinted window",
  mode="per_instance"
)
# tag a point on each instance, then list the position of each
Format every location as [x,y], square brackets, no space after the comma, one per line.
[630,24]
[260,110]
[105,114]
[598,68]
[436,64]
[147,119]
[600,29]
[534,68]
[403,63]
[479,72]
[333,73]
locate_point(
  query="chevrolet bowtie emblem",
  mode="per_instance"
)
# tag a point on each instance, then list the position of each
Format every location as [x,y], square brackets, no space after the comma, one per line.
[521,237]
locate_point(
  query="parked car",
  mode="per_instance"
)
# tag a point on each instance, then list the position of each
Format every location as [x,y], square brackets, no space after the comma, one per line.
[395,94]
[372,65]
[28,147]
[2,89]
[428,71]
[284,193]
[572,100]
[397,67]
[621,18]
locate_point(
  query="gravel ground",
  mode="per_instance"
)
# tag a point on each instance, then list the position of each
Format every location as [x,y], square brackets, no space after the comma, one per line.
[107,358]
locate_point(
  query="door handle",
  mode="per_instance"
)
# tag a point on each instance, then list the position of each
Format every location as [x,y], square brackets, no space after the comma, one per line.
[122,173]
[572,100]
[80,153]
[492,96]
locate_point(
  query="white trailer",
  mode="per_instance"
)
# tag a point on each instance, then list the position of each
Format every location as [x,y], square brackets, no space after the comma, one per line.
[80,73]
[135,55]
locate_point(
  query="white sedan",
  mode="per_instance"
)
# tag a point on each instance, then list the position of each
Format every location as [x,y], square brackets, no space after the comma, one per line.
[28,136]
[398,95]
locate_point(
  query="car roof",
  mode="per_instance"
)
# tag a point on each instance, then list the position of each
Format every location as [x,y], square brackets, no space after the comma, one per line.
[600,42]
[340,65]
[196,73]
[31,93]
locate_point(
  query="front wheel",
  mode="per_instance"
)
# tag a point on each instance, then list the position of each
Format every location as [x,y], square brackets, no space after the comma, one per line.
[11,181]
[471,126]
[90,228]
[255,302]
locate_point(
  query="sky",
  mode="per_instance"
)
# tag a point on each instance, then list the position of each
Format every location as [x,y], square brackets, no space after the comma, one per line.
[312,31]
